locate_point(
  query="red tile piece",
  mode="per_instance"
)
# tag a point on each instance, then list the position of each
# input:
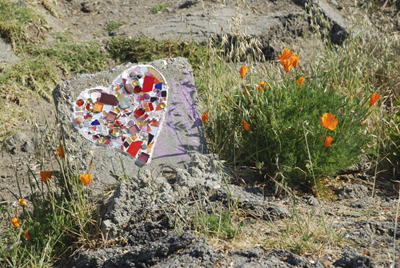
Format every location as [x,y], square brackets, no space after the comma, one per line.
[148,83]
[134,148]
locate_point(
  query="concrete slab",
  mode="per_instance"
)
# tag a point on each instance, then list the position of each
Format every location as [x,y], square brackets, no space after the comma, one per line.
[182,132]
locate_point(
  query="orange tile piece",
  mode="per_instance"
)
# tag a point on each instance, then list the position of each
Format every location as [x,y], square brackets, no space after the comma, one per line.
[155,124]
[117,88]
[111,125]
[94,127]
[98,106]
[134,137]
[149,128]
[149,147]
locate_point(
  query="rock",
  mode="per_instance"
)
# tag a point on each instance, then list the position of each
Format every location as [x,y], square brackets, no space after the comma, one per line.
[114,11]
[352,191]
[182,132]
[188,3]
[311,200]
[339,29]
[28,146]
[88,7]
[351,259]
[362,203]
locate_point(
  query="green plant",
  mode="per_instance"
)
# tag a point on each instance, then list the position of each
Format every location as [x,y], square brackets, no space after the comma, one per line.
[14,20]
[158,8]
[285,125]
[145,49]
[61,215]
[113,25]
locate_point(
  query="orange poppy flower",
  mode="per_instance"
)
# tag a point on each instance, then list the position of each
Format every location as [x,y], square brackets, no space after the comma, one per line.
[261,85]
[27,235]
[285,55]
[287,64]
[295,60]
[243,70]
[247,92]
[245,125]
[61,152]
[86,178]
[45,175]
[328,141]
[205,117]
[301,80]
[22,202]
[328,121]
[15,222]
[373,99]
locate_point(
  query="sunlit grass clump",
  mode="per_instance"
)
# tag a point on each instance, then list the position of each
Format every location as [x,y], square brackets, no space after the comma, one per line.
[297,130]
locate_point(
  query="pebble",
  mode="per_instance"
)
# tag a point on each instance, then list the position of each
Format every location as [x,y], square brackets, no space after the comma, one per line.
[125,103]
[79,119]
[129,88]
[114,11]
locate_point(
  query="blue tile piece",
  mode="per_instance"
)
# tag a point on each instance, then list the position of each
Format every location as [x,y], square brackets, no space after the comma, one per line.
[154,129]
[95,123]
[158,86]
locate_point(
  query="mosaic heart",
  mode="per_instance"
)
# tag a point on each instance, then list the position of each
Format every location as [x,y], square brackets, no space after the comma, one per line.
[127,115]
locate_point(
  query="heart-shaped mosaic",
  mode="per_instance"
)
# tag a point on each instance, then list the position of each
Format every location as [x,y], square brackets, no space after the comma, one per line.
[127,115]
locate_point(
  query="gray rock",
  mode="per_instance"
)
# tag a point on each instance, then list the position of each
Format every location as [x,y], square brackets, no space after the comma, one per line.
[28,146]
[362,203]
[88,7]
[351,259]
[339,29]
[352,191]
[188,3]
[182,132]
[114,11]
[131,196]
[311,200]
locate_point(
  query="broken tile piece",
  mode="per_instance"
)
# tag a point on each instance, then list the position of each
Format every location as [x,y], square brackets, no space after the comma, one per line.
[108,99]
[111,116]
[144,157]
[134,129]
[134,148]
[98,106]
[148,84]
